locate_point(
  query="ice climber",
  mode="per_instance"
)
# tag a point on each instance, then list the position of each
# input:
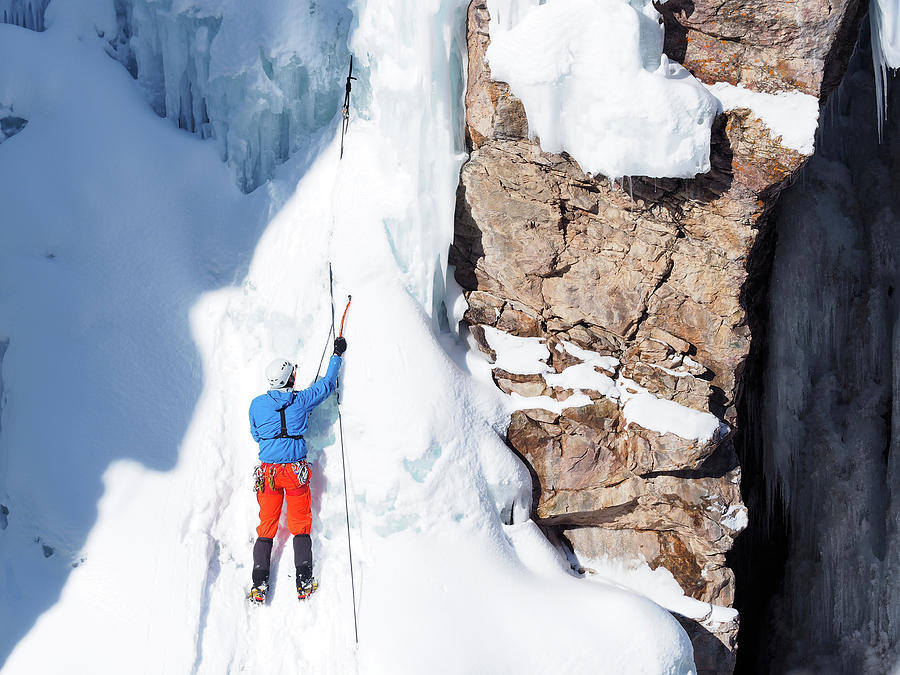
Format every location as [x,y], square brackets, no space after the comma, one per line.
[278,420]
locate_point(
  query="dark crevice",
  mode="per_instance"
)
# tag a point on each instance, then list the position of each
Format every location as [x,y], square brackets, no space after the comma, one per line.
[759,554]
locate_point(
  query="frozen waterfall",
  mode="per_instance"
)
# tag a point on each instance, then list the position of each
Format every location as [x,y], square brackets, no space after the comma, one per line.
[260,86]
[25,13]
[830,414]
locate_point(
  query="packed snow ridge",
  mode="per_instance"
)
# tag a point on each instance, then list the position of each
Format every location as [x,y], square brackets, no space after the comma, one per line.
[595,83]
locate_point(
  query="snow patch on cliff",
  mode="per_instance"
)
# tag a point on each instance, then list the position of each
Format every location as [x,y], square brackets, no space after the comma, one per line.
[792,115]
[658,585]
[595,83]
[527,356]
[518,355]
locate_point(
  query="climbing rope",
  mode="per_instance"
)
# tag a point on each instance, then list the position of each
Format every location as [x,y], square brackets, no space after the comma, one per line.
[343,460]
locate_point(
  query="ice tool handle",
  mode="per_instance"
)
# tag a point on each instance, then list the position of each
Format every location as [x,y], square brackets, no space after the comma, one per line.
[344,316]
[345,109]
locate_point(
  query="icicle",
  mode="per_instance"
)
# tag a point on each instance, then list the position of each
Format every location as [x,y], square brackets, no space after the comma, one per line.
[884,21]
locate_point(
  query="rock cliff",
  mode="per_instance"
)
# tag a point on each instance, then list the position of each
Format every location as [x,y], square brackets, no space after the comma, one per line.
[662,276]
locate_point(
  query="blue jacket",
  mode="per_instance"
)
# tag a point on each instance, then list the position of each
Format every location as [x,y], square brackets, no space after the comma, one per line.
[265,418]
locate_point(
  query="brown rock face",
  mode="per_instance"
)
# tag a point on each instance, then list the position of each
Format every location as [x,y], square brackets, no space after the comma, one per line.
[768,46]
[653,273]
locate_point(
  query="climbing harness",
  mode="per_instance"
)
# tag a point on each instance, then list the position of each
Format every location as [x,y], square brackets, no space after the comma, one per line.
[263,474]
[345,109]
[284,433]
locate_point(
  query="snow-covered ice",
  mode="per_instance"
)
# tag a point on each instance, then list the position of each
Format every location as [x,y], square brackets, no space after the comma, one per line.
[595,83]
[143,293]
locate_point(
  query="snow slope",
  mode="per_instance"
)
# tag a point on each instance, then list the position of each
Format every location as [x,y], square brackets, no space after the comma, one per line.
[138,326]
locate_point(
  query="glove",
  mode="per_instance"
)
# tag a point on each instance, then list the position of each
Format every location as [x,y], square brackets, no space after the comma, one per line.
[340,346]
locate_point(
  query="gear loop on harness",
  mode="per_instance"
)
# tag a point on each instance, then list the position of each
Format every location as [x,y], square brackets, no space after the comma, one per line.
[265,474]
[301,469]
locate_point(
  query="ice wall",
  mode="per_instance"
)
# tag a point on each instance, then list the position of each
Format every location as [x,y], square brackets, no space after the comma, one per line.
[259,83]
[25,13]
[831,413]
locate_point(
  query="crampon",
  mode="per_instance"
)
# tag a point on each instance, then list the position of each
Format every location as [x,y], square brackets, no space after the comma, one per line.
[306,587]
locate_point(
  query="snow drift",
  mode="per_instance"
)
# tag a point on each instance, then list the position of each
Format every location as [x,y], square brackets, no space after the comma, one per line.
[595,83]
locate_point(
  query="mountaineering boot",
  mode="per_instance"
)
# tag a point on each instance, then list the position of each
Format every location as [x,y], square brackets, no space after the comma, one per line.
[306,582]
[262,552]
[257,595]
[306,586]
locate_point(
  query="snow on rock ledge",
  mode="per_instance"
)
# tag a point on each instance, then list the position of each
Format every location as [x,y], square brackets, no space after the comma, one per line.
[525,356]
[595,83]
[791,115]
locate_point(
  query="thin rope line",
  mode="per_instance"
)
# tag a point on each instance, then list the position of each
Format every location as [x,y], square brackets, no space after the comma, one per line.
[344,470]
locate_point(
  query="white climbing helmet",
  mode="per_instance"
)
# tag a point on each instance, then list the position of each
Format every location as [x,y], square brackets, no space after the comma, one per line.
[279,372]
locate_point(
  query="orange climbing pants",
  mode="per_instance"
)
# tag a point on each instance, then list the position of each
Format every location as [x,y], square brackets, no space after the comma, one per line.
[299,513]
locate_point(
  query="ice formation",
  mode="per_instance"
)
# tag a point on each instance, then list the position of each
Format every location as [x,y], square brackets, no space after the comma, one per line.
[884,22]
[595,83]
[831,407]
[25,13]
[258,83]
[155,292]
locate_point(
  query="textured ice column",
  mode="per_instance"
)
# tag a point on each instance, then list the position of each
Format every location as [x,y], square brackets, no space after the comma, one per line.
[260,83]
[833,395]
[25,13]
[398,46]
